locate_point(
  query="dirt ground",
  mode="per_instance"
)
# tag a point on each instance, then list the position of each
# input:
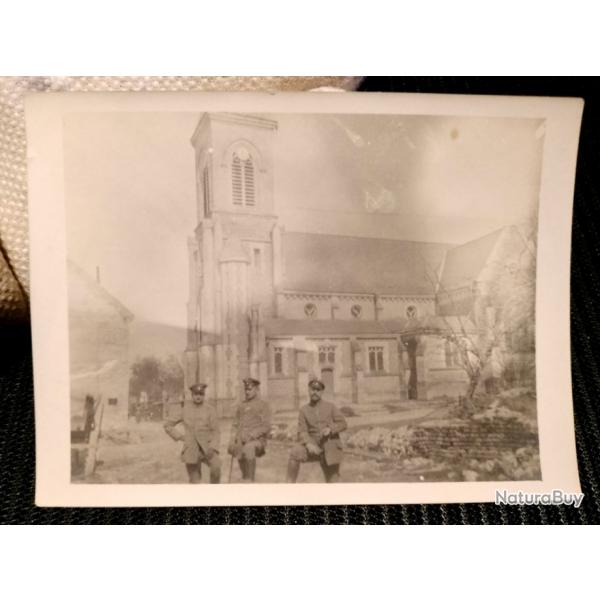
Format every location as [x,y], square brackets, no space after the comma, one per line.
[143,453]
[150,456]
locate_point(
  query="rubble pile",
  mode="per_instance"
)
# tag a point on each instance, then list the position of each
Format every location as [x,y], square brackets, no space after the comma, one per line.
[390,442]
[522,464]
[495,444]
[284,432]
[496,410]
[476,438]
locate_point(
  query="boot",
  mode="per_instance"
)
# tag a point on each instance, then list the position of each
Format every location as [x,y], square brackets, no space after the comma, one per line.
[332,473]
[292,471]
[215,474]
[251,469]
[194,473]
[243,468]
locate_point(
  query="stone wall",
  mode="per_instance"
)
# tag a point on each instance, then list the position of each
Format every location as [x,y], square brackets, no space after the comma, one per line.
[282,393]
[291,305]
[100,365]
[379,388]
[98,349]
[476,439]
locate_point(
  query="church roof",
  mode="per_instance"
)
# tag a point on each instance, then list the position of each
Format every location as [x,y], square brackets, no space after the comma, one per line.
[326,327]
[284,327]
[345,264]
[464,263]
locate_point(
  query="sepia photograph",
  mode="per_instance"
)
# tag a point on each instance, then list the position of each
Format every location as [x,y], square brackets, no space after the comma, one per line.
[264,297]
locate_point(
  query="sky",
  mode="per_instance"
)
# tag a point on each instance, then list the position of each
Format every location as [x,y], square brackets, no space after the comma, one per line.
[130,188]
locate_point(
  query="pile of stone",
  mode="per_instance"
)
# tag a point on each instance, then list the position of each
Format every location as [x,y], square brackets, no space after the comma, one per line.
[284,432]
[495,444]
[519,465]
[475,438]
[497,411]
[384,440]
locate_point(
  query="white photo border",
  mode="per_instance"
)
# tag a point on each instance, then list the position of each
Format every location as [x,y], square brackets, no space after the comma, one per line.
[44,120]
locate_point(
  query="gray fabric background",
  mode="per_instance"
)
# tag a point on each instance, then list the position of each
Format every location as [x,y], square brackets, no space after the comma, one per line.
[14,242]
[17,441]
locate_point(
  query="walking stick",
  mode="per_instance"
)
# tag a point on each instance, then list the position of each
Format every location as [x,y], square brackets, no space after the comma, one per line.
[230,468]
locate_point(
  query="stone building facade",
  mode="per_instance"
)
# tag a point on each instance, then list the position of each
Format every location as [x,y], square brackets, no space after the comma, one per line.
[98,349]
[366,315]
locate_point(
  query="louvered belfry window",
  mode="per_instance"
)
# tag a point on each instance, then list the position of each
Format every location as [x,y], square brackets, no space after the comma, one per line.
[242,180]
[206,190]
[249,182]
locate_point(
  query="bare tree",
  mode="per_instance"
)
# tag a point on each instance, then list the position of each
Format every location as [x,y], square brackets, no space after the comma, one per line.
[475,345]
[506,305]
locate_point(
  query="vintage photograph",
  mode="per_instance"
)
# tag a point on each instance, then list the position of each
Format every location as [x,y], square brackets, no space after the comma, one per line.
[264,297]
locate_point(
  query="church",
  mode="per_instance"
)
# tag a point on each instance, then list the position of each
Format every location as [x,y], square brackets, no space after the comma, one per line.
[366,315]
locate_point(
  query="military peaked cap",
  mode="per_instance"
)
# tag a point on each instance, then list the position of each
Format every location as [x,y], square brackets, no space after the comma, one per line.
[198,388]
[316,384]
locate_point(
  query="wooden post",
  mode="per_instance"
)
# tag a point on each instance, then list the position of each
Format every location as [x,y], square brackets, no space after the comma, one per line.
[90,461]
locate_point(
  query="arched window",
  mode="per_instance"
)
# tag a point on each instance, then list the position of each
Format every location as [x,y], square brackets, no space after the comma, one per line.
[451,353]
[206,190]
[243,185]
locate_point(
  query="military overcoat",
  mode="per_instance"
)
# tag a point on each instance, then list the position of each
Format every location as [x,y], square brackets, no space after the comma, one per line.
[201,432]
[311,422]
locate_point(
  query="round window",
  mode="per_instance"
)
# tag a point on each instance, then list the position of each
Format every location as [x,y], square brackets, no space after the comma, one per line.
[310,310]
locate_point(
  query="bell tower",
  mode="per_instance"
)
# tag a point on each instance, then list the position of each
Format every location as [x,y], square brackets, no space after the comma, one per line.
[234,164]
[232,264]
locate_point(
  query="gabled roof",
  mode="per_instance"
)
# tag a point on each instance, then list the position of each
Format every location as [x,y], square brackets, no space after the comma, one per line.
[345,264]
[328,327]
[82,288]
[464,263]
[283,327]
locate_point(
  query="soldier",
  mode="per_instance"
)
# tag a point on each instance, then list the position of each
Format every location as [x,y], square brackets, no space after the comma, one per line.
[319,426]
[201,435]
[250,428]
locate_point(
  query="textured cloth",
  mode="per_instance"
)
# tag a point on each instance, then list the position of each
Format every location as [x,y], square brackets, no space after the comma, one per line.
[17,435]
[13,305]
[14,238]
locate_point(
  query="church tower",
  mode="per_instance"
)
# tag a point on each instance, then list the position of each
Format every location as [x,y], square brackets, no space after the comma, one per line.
[233,270]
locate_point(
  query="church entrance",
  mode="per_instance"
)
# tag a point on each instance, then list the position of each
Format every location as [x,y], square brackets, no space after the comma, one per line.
[327,365]
[327,379]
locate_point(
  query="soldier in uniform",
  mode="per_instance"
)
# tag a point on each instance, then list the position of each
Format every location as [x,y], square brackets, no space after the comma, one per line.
[319,426]
[250,428]
[201,435]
